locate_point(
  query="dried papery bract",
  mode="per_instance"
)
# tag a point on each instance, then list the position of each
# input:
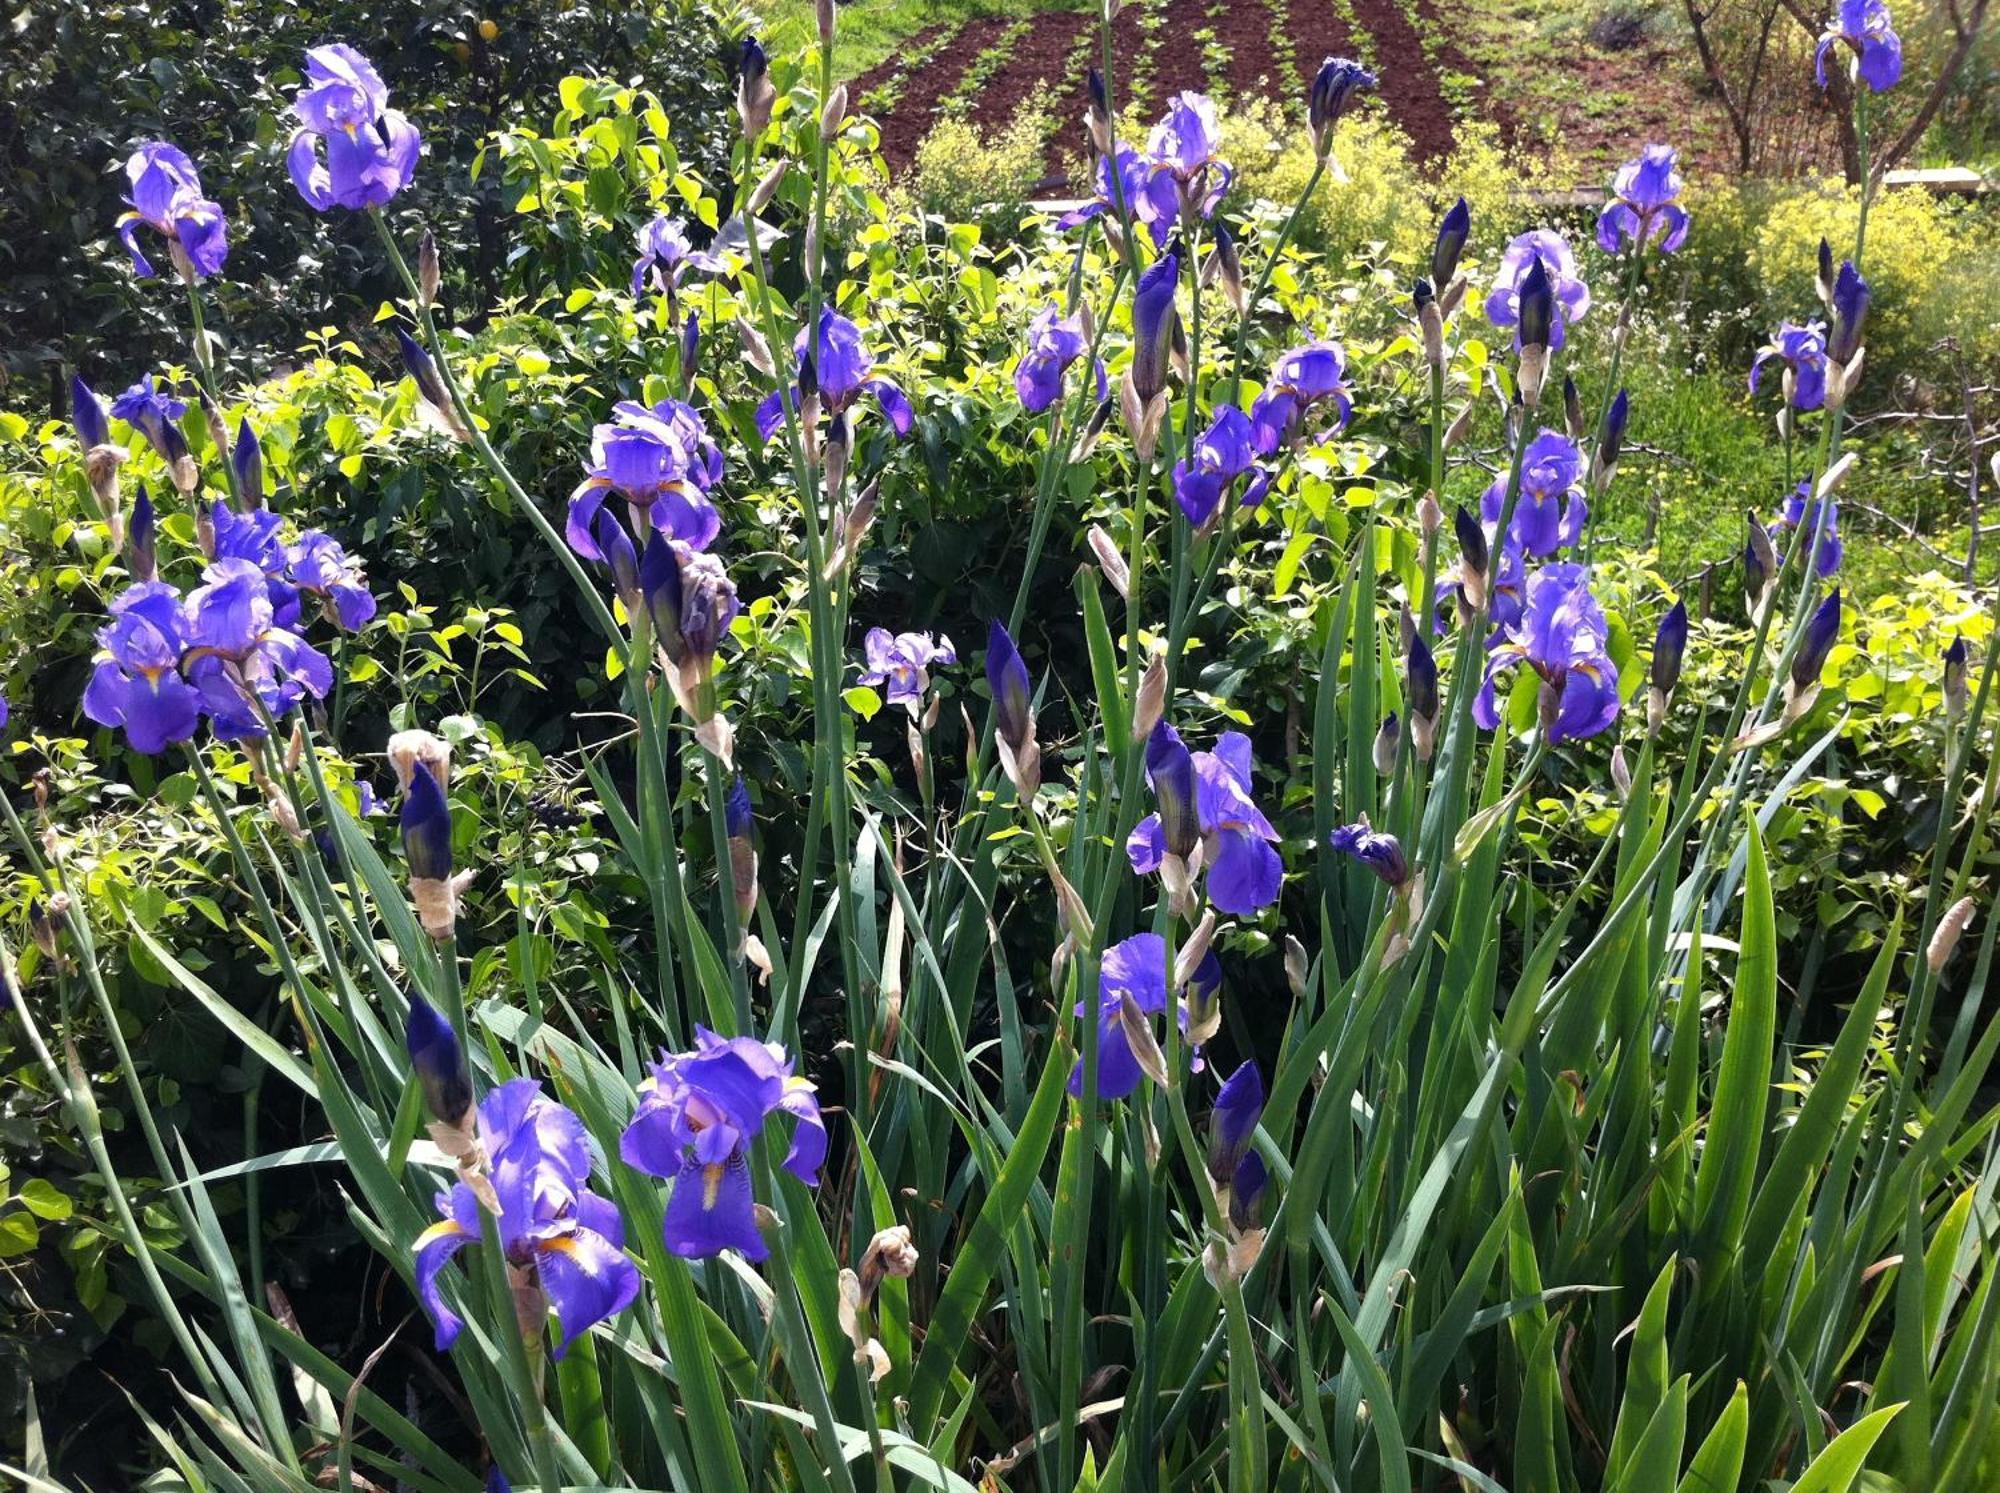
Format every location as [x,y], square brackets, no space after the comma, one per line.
[1951,927]
[1111,562]
[412,749]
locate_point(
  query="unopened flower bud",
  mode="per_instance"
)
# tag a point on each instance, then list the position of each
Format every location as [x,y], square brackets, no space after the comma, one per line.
[1473,557]
[429,273]
[1297,966]
[755,93]
[1388,744]
[438,1061]
[248,461]
[1152,698]
[1572,408]
[1956,682]
[834,115]
[1453,230]
[1110,561]
[1951,927]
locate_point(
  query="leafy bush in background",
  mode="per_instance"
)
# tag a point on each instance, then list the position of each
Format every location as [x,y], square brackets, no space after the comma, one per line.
[80,84]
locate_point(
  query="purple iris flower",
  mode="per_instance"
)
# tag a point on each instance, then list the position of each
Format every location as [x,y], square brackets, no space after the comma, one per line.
[1550,512]
[1187,179]
[1644,208]
[902,662]
[1333,88]
[320,567]
[736,809]
[665,255]
[1802,512]
[663,462]
[1509,587]
[239,654]
[370,150]
[1863,26]
[1301,378]
[1244,872]
[1802,349]
[255,536]
[1561,635]
[1150,199]
[1380,853]
[1135,967]
[154,415]
[838,368]
[1054,342]
[1850,313]
[1232,1124]
[1223,454]
[695,1124]
[137,682]
[166,196]
[551,1225]
[1549,249]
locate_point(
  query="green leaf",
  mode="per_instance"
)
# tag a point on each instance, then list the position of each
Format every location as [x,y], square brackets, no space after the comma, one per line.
[1836,1469]
[1735,1134]
[863,701]
[44,1199]
[1718,1464]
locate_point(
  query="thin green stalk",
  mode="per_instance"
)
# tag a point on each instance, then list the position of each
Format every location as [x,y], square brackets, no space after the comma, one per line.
[205,361]
[81,1107]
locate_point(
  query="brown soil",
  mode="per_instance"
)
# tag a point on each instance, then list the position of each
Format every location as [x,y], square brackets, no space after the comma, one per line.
[929,85]
[1244,29]
[1178,59]
[1316,34]
[1034,72]
[859,88]
[1409,88]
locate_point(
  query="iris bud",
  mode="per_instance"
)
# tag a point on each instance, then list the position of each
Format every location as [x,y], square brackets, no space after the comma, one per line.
[424,374]
[1955,680]
[1572,408]
[140,560]
[754,92]
[429,273]
[426,823]
[1421,687]
[1822,631]
[1097,117]
[1007,674]
[1453,230]
[91,416]
[248,459]
[736,810]
[1170,768]
[1825,279]
[1537,326]
[1669,647]
[439,1062]
[1388,744]
[1246,1192]
[690,346]
[1153,321]
[1611,439]
[1849,304]
[1474,557]
[1760,563]
[660,587]
[708,606]
[622,560]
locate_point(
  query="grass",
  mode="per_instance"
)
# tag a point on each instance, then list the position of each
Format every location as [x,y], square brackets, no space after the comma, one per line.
[873,31]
